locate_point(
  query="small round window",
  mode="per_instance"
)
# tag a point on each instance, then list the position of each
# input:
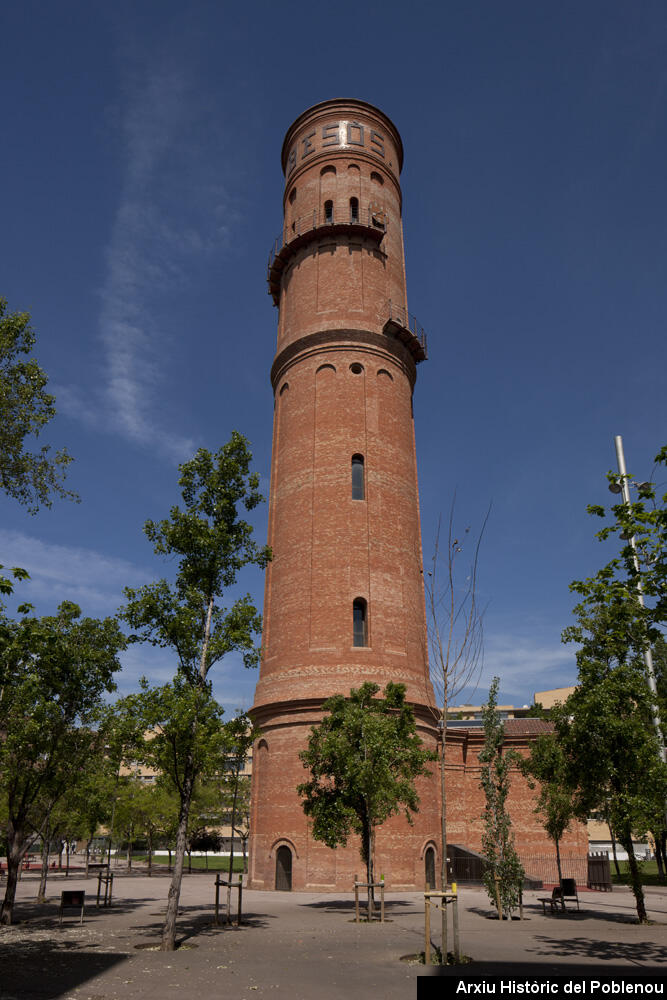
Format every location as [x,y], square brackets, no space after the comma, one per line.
[356,368]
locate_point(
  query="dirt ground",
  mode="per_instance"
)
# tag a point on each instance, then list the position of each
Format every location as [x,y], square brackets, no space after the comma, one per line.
[301,945]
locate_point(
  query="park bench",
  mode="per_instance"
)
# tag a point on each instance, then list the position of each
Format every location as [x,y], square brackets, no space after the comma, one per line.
[71,899]
[568,888]
[555,901]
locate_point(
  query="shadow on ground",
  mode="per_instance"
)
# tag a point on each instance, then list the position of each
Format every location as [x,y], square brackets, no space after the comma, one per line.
[28,911]
[513,970]
[578,916]
[642,952]
[44,970]
[347,905]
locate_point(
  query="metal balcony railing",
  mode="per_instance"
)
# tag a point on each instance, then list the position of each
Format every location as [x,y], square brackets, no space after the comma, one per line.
[410,330]
[319,219]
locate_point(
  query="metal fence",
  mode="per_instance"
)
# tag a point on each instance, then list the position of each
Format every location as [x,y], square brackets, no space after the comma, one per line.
[590,870]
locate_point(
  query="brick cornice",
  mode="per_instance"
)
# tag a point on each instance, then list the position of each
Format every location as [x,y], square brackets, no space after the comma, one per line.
[326,341]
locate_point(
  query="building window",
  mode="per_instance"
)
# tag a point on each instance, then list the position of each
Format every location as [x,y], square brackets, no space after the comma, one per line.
[328,211]
[356,368]
[359,622]
[358,490]
[354,209]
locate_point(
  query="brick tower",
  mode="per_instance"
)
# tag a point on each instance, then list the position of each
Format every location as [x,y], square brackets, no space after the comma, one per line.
[344,597]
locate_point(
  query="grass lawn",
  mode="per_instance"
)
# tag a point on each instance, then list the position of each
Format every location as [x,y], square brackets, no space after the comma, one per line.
[215,864]
[649,870]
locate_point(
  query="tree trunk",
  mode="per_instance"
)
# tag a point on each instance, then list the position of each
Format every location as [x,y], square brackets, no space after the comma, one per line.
[560,870]
[169,928]
[635,877]
[41,892]
[443,837]
[129,855]
[658,857]
[370,871]
[16,848]
[150,855]
[231,846]
[67,860]
[613,850]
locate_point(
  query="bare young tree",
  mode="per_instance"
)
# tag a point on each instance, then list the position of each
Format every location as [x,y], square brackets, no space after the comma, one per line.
[455,637]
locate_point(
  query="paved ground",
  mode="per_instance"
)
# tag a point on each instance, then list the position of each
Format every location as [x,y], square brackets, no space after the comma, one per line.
[301,945]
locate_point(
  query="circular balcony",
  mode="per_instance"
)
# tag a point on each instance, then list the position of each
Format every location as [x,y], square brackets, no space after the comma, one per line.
[314,226]
[405,328]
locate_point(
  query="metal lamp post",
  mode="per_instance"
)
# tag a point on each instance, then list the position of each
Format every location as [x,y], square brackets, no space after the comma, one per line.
[648,657]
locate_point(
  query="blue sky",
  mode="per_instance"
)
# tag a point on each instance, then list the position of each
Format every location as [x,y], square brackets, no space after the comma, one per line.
[141,192]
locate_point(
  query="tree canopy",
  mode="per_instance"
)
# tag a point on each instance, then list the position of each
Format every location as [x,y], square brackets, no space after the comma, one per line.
[503,875]
[30,477]
[363,759]
[608,725]
[55,673]
[211,543]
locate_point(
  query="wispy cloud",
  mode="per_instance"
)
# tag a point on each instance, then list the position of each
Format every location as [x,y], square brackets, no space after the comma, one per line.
[524,665]
[91,579]
[172,211]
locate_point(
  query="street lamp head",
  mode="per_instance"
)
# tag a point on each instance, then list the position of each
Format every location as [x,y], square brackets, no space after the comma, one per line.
[643,488]
[615,486]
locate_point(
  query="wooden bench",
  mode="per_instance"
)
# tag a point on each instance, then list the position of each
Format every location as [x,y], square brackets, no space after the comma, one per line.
[568,889]
[555,901]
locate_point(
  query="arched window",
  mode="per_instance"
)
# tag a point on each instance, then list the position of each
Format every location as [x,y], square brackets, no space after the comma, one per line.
[328,211]
[358,490]
[354,209]
[359,622]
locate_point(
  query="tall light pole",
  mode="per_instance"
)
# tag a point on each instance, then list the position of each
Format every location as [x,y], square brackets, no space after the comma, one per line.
[648,656]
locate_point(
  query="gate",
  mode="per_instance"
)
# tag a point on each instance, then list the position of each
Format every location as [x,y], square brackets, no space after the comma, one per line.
[284,868]
[599,873]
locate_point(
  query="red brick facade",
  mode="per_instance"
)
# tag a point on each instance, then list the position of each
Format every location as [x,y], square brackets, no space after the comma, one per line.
[465,798]
[343,377]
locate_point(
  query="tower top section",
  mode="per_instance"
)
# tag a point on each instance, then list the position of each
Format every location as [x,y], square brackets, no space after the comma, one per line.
[342,127]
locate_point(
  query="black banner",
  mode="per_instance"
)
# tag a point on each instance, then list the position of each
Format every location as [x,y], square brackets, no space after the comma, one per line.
[431,986]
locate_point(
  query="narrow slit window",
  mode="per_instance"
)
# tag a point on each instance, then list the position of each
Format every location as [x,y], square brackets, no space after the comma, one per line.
[328,211]
[359,622]
[358,488]
[354,209]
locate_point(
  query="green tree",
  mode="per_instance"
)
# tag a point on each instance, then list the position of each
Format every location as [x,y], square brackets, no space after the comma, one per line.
[660,665]
[556,800]
[363,759]
[503,874]
[130,812]
[610,724]
[55,673]
[25,408]
[29,477]
[456,642]
[211,543]
[605,725]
